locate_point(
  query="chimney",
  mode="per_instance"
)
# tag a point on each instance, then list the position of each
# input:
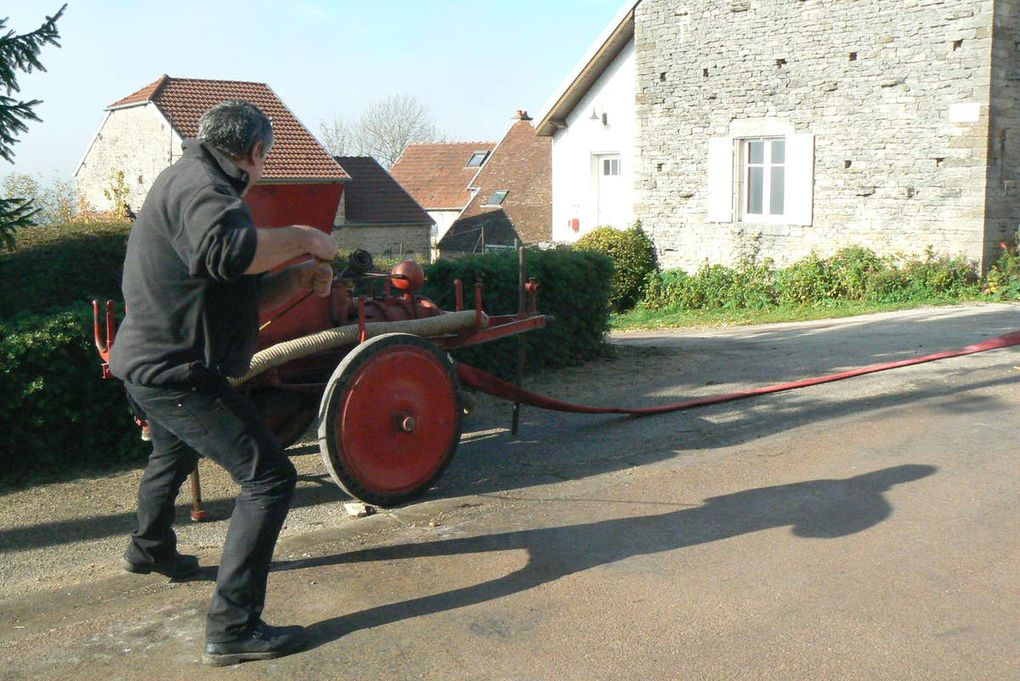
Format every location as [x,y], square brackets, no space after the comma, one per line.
[522,115]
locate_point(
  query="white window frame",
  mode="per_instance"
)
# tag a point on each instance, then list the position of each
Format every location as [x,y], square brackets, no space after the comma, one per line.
[725,197]
[744,166]
[610,162]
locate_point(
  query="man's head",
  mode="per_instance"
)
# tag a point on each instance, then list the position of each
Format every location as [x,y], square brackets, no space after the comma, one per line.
[241,131]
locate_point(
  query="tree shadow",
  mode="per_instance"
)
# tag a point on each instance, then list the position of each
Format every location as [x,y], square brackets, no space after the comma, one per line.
[813,509]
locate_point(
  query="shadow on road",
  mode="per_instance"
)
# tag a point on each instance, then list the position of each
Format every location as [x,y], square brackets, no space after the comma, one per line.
[815,508]
[113,524]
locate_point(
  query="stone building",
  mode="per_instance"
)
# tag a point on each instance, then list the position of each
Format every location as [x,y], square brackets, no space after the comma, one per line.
[377,215]
[142,134]
[800,126]
[483,195]
[511,203]
[438,175]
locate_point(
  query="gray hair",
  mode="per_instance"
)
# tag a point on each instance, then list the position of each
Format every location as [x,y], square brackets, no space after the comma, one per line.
[234,127]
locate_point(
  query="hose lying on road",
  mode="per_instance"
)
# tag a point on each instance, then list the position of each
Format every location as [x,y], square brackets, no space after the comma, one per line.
[496,387]
[343,336]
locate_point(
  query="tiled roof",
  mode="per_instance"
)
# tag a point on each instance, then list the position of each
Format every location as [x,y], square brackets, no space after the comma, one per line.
[143,95]
[522,166]
[437,175]
[374,197]
[296,154]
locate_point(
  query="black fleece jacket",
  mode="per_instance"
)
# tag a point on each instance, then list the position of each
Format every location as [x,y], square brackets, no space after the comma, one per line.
[191,309]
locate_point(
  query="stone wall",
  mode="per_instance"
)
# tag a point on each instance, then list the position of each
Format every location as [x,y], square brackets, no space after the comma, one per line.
[1003,197]
[386,240]
[895,95]
[138,141]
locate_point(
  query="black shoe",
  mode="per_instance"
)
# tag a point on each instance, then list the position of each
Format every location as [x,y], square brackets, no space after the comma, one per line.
[263,643]
[177,567]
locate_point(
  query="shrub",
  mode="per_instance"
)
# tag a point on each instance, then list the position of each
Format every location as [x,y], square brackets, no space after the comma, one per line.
[852,274]
[1003,279]
[61,264]
[850,270]
[930,277]
[804,282]
[634,261]
[573,286]
[58,414]
[751,285]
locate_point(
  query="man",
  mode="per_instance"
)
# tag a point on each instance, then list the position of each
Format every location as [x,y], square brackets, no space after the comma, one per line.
[195,278]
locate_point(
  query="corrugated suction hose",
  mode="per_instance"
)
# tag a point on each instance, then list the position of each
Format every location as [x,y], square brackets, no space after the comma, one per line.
[343,336]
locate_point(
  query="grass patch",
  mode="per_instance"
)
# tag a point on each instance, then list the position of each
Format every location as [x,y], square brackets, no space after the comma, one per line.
[644,319]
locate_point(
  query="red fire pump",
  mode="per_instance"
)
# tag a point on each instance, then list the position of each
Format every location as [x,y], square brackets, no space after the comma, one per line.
[373,369]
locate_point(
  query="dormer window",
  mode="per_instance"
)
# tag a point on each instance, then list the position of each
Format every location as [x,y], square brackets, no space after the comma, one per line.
[477,159]
[497,197]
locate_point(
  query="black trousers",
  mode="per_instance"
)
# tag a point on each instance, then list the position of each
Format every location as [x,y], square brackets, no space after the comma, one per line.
[211,419]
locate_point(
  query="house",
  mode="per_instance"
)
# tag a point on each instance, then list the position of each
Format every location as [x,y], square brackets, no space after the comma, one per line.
[438,176]
[793,127]
[512,202]
[142,134]
[376,214]
[591,121]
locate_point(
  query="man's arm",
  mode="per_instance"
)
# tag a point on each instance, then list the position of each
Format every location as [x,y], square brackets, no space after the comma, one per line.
[277,245]
[278,287]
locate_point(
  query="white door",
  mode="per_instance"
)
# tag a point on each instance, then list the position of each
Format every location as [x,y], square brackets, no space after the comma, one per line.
[609,191]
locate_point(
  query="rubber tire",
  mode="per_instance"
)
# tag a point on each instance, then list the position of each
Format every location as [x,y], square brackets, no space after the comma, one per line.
[334,398]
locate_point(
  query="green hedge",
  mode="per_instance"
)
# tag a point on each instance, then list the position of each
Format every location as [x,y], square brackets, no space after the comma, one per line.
[634,261]
[573,286]
[58,265]
[59,416]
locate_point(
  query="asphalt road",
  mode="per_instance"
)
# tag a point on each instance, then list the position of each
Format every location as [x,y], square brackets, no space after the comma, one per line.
[865,529]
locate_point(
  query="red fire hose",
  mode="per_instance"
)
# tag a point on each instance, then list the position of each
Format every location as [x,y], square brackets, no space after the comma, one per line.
[497,387]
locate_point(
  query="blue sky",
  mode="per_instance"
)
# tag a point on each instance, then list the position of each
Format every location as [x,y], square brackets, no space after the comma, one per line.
[472,63]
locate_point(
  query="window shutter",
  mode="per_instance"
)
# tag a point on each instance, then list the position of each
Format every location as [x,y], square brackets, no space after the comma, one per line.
[720,179]
[800,178]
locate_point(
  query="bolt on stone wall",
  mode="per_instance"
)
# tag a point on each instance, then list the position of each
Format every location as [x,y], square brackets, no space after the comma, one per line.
[896,95]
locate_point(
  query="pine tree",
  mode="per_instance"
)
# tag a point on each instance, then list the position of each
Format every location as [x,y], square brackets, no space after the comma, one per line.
[19,53]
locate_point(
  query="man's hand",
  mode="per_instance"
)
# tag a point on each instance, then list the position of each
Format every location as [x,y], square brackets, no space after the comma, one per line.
[277,245]
[319,244]
[317,275]
[277,288]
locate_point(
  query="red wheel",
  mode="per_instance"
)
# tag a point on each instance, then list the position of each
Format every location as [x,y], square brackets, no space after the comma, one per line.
[390,418]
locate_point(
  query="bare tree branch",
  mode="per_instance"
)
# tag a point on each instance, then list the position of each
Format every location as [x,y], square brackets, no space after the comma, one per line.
[338,137]
[383,131]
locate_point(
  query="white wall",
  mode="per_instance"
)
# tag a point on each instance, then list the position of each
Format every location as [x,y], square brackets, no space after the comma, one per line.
[444,220]
[137,140]
[574,179]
